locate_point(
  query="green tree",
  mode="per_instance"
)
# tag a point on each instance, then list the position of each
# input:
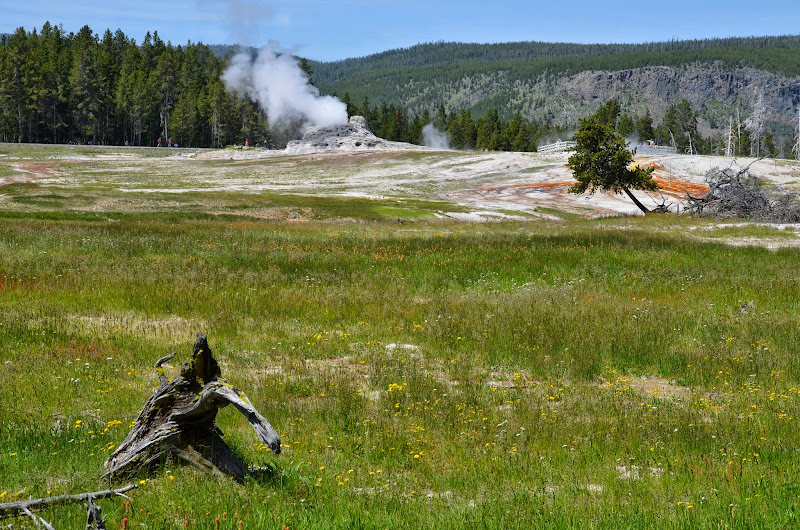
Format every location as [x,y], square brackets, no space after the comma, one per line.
[6,116]
[681,121]
[86,85]
[55,72]
[34,86]
[133,96]
[601,161]
[440,120]
[19,74]
[609,112]
[351,108]
[743,148]
[385,128]
[415,130]
[486,131]
[307,69]
[218,110]
[166,77]
[462,130]
[644,127]
[108,76]
[769,145]
[626,126]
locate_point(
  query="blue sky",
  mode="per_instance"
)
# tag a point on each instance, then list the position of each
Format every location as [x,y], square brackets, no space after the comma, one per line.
[330,30]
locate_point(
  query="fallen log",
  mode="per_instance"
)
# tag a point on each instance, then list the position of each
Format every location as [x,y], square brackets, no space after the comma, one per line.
[178,421]
[10,509]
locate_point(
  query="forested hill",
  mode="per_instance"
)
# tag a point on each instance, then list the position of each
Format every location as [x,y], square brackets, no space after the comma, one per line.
[558,82]
[779,54]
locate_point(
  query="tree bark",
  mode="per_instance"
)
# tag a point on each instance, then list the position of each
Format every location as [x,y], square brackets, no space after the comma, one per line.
[636,201]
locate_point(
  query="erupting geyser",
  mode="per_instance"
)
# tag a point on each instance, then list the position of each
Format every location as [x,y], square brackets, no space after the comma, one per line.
[275,81]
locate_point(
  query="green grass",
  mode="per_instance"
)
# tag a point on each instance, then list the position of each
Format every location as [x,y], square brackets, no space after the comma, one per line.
[7,171]
[16,152]
[570,374]
[513,407]
[755,230]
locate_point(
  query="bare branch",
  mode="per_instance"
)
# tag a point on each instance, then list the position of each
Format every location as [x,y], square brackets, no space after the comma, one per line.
[160,371]
[14,508]
[37,520]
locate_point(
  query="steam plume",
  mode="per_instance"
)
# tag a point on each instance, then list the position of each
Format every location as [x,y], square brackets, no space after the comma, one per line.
[275,81]
[435,138]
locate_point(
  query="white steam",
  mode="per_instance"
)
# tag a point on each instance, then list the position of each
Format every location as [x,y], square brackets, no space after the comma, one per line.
[244,20]
[275,81]
[432,137]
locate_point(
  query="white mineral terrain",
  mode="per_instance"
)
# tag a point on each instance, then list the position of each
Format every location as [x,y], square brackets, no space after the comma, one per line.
[493,184]
[351,136]
[349,160]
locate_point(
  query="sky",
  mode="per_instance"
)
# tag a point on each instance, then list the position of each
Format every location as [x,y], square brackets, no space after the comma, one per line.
[328,30]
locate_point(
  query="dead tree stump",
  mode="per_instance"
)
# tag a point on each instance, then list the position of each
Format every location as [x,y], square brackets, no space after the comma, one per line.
[178,421]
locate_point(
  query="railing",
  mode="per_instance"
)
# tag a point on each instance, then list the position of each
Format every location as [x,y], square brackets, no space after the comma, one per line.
[557,147]
[654,149]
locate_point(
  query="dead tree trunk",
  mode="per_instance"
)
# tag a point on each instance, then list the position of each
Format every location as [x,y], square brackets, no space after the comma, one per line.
[636,201]
[178,421]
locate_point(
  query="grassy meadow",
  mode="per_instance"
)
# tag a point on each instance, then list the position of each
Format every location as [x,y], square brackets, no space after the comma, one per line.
[425,374]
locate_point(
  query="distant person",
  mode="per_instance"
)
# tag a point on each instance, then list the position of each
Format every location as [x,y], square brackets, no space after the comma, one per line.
[159,142]
[246,142]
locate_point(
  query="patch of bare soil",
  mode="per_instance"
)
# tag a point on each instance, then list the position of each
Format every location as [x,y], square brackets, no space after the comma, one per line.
[31,171]
[636,472]
[346,363]
[506,380]
[659,387]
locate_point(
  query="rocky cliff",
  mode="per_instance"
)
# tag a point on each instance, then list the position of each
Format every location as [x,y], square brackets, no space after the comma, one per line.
[714,92]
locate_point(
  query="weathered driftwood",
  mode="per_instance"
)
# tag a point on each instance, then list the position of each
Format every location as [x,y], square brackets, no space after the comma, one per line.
[178,421]
[9,509]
